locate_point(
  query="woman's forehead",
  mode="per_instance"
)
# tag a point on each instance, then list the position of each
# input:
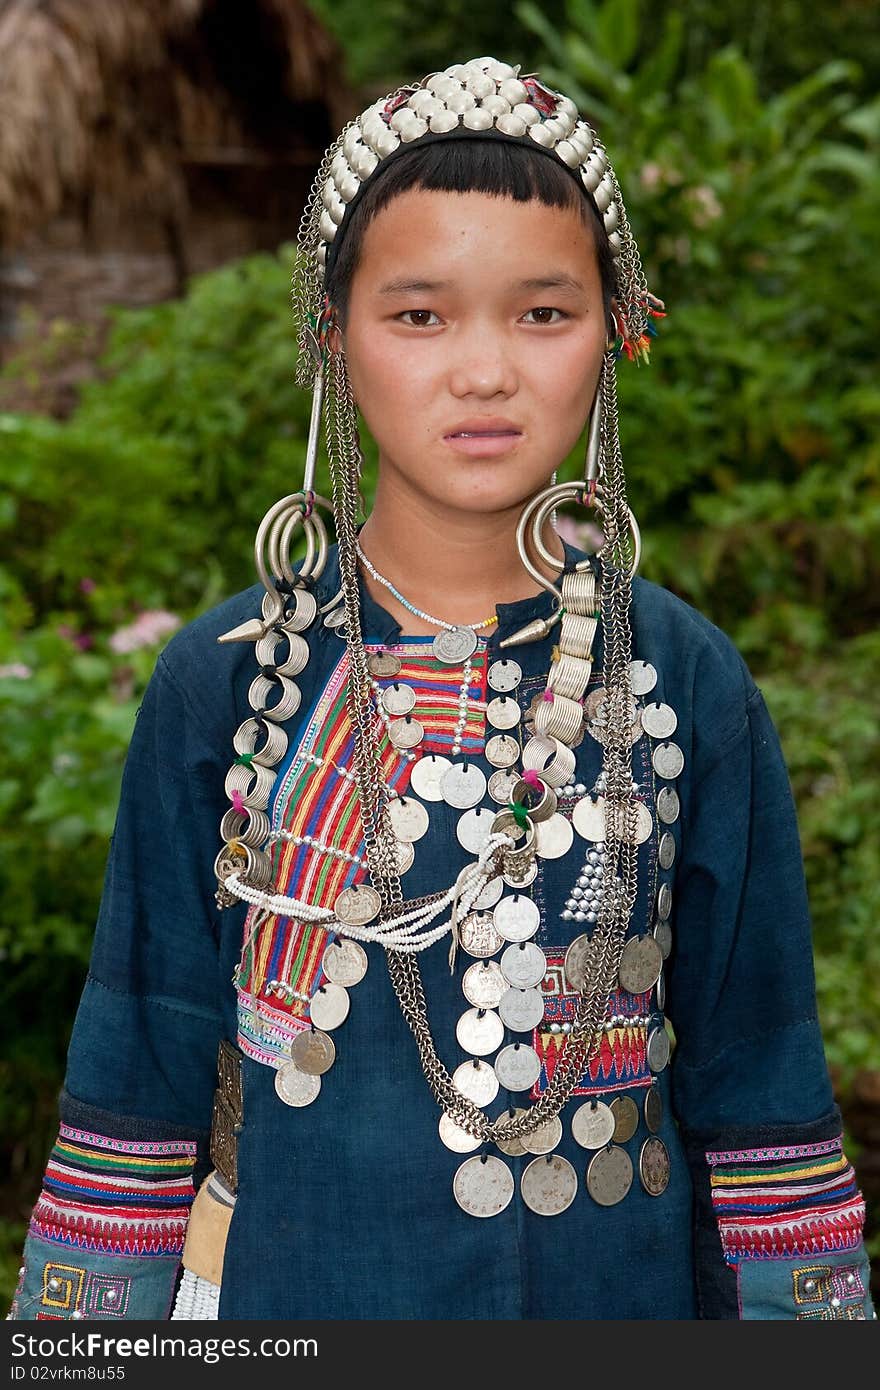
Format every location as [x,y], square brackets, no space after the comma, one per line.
[428,235]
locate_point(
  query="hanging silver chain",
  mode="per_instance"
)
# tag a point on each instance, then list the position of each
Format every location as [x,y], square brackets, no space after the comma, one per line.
[379,840]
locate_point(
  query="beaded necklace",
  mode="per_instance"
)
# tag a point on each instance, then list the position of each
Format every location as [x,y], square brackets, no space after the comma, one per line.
[411,608]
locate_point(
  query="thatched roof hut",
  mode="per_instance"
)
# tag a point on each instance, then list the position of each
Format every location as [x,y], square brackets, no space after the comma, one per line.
[175,132]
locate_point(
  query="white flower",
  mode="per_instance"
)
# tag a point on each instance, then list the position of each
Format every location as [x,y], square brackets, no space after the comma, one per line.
[146,630]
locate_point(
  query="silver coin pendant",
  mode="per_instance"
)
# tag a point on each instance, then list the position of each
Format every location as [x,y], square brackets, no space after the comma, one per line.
[329,1006]
[295,1087]
[549,1185]
[504,675]
[483,1186]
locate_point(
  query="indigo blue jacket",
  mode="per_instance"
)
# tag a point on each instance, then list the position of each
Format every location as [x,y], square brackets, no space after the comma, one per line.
[345,1207]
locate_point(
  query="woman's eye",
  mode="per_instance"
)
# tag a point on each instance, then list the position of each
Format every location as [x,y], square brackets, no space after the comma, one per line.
[546,309]
[425,313]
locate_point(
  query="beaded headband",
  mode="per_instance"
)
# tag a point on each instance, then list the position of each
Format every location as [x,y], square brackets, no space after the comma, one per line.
[479,98]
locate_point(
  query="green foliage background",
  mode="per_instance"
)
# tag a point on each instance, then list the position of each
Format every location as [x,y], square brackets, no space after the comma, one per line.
[748,166]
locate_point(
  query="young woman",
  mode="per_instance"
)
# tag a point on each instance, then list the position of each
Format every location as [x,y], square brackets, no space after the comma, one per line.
[495,806]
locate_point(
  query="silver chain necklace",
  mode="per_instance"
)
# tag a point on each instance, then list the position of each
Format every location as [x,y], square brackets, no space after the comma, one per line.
[380,851]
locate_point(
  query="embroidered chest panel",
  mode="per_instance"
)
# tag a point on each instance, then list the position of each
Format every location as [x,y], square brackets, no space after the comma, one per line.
[317,850]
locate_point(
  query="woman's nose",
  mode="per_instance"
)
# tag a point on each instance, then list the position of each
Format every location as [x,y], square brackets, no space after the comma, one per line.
[482,366]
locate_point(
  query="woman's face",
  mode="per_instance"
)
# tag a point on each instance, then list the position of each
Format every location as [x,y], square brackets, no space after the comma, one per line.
[471,313]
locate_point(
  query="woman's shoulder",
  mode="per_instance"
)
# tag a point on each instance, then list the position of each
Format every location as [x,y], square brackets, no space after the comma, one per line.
[669,628]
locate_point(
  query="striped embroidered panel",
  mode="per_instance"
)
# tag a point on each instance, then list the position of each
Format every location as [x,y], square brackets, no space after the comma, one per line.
[790,1201]
[621,1061]
[315,809]
[116,1196]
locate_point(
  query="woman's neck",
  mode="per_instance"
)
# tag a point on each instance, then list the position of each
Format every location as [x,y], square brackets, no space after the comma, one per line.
[456,569]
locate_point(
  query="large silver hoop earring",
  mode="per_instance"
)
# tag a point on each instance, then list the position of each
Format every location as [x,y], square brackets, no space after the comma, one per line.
[288,591]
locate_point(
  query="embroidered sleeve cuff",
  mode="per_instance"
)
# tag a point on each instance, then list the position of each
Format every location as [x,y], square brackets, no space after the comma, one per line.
[779,1225]
[107,1232]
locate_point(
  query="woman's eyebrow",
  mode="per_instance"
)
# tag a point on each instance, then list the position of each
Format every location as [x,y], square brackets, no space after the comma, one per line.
[555,280]
[402,286]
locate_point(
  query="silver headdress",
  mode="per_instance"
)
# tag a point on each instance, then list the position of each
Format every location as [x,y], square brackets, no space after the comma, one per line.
[482,98]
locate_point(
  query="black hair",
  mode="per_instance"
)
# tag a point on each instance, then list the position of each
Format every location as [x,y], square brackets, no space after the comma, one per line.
[495,166]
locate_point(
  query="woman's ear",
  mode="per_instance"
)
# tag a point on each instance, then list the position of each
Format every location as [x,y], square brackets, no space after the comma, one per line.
[611,323]
[334,336]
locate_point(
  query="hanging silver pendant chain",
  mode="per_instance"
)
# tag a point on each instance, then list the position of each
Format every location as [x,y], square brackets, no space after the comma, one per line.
[620,807]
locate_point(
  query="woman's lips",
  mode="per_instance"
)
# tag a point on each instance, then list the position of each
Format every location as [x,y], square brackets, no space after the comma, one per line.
[483,444]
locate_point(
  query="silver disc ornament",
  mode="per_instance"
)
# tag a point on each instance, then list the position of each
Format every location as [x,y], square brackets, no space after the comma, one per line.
[659,720]
[344,962]
[666,849]
[653,1109]
[592,1125]
[406,732]
[664,900]
[356,907]
[577,958]
[398,699]
[640,964]
[456,1138]
[517,917]
[503,712]
[405,855]
[658,1049]
[329,1006]
[295,1087]
[502,750]
[489,895]
[478,935]
[545,1138]
[523,964]
[454,645]
[504,675]
[668,805]
[654,1167]
[643,677]
[383,664]
[609,1175]
[463,785]
[521,1010]
[588,818]
[555,837]
[514,1148]
[549,1185]
[663,937]
[626,1118]
[501,785]
[474,828]
[480,1031]
[668,760]
[517,1067]
[483,1185]
[476,1081]
[313,1051]
[426,776]
[409,819]
[483,984]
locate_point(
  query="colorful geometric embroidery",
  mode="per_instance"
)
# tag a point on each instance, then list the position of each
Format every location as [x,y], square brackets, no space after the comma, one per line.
[106,1296]
[829,1292]
[315,802]
[621,1061]
[62,1286]
[785,1201]
[114,1196]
